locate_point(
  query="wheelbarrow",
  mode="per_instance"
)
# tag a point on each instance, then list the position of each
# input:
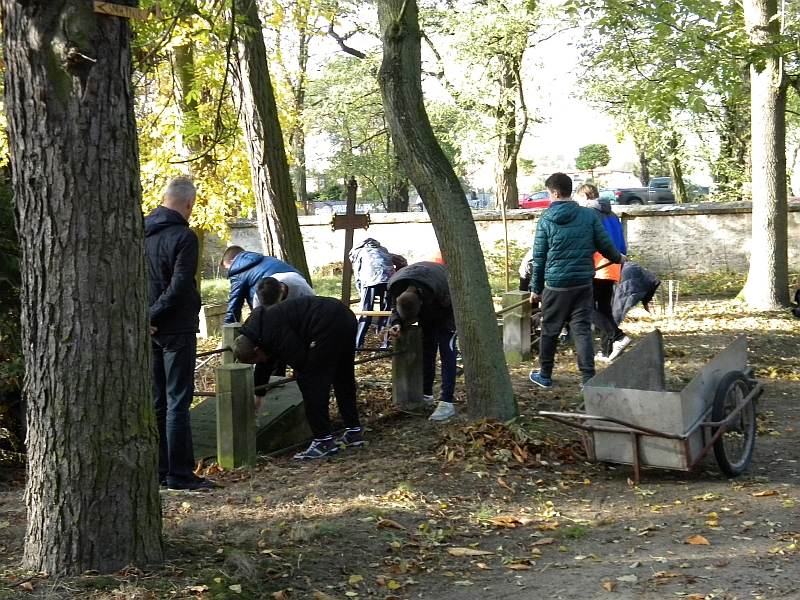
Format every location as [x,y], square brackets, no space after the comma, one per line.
[631,418]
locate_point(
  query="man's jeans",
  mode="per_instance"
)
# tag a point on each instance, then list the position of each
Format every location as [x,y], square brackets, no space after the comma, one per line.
[173,385]
[559,306]
[445,340]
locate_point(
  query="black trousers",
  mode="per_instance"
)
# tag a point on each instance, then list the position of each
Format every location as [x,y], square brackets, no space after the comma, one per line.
[331,364]
[173,360]
[572,305]
[603,316]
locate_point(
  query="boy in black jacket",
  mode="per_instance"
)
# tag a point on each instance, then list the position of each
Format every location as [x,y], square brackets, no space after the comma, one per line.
[316,337]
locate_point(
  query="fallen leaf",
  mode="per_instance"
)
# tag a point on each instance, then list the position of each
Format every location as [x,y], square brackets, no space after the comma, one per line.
[280,595]
[628,578]
[4,524]
[483,566]
[697,540]
[197,588]
[509,521]
[710,496]
[764,493]
[317,595]
[389,524]
[502,483]
[518,567]
[666,574]
[393,585]
[27,586]
[463,582]
[351,594]
[467,552]
[695,597]
[609,586]
[544,541]
[235,588]
[355,579]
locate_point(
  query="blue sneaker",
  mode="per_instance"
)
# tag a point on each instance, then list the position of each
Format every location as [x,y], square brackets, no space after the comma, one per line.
[542,382]
[321,448]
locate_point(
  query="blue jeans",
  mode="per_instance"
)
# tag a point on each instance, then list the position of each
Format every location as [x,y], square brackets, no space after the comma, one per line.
[368,295]
[173,362]
[444,340]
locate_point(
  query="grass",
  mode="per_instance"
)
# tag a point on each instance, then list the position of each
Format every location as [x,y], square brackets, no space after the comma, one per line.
[720,284]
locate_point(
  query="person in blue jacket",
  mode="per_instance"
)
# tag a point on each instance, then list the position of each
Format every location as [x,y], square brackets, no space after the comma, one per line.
[245,270]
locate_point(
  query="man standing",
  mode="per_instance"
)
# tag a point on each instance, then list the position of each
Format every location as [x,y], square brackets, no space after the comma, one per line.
[421,292]
[172,254]
[567,236]
[245,270]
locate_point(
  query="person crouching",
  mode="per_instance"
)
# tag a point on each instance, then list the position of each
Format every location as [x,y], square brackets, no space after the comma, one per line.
[316,337]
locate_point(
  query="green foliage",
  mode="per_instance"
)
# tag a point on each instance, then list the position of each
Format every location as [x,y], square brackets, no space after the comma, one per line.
[592,157]
[185,114]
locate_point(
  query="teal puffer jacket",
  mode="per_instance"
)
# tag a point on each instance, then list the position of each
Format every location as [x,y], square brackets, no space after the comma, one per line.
[567,236]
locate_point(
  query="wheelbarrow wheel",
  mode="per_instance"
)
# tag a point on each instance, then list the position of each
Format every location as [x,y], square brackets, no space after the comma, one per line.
[734,447]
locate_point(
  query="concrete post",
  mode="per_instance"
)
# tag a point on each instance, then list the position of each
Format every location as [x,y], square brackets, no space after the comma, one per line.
[516,328]
[211,318]
[229,333]
[407,370]
[236,421]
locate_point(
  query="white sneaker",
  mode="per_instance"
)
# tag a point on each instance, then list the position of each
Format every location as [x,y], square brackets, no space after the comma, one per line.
[443,412]
[428,400]
[600,357]
[618,348]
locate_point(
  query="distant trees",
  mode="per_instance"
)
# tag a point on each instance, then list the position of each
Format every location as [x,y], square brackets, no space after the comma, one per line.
[592,157]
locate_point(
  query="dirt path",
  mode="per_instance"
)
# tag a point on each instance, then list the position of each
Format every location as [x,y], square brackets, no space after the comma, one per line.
[474,511]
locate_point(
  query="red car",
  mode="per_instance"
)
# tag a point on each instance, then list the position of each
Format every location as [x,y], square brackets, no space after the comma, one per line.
[536,200]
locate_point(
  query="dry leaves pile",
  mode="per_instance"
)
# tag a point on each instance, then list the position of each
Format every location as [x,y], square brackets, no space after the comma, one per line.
[512,445]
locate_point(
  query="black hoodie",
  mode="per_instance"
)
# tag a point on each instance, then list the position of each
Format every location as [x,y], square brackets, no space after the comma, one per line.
[172,254]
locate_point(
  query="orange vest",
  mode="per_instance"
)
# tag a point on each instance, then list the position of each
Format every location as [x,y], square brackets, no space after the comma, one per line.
[612,271]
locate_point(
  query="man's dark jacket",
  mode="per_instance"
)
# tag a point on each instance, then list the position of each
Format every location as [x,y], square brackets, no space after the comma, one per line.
[433,286]
[305,332]
[172,254]
[567,237]
[247,269]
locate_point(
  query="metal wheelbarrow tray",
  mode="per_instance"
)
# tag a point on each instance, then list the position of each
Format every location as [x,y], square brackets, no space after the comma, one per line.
[631,418]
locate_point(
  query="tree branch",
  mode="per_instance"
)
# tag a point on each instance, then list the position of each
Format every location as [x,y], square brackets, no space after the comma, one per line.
[345,48]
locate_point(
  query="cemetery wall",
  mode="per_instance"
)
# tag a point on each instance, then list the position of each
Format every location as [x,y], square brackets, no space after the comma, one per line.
[672,239]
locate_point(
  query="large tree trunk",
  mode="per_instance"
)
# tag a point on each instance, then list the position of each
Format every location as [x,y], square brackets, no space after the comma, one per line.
[506,191]
[488,385]
[92,490]
[272,183]
[768,279]
[644,166]
[398,186]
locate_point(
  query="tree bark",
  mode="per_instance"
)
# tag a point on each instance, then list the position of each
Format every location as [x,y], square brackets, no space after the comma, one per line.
[398,192]
[272,183]
[676,172]
[488,385]
[767,285]
[507,191]
[92,489]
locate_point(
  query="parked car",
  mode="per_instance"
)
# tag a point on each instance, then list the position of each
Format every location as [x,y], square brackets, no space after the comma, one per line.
[658,192]
[536,200]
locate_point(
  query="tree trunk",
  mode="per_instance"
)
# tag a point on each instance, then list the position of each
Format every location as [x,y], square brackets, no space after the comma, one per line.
[299,168]
[488,385]
[767,284]
[644,165]
[676,172]
[506,121]
[272,183]
[398,192]
[92,489]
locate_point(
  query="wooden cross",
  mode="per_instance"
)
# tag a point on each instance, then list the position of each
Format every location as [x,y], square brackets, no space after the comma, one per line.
[350,221]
